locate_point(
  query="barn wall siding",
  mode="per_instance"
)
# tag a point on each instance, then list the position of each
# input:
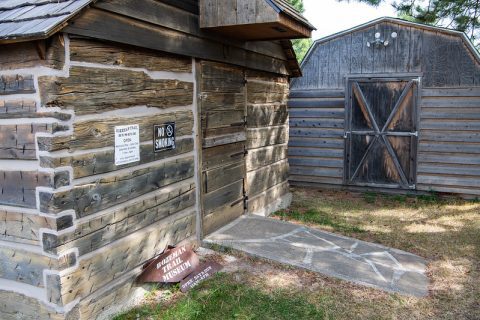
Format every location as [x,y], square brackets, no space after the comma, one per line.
[444,60]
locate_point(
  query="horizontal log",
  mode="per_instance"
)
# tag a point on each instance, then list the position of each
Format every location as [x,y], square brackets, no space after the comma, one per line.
[317,172]
[334,143]
[255,75]
[124,255]
[114,27]
[16,84]
[452,92]
[222,119]
[266,177]
[93,134]
[223,155]
[331,113]
[317,123]
[96,90]
[316,93]
[261,201]
[19,306]
[263,137]
[222,139]
[265,116]
[93,51]
[26,108]
[262,157]
[315,152]
[24,227]
[228,195]
[17,188]
[98,162]
[262,92]
[99,232]
[26,55]
[457,114]
[449,189]
[106,192]
[316,103]
[24,266]
[217,178]
[17,141]
[316,162]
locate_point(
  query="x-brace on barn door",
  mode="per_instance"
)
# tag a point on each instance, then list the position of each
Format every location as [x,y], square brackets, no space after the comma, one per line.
[381,133]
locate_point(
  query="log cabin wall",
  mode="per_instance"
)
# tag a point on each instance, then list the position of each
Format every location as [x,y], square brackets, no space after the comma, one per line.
[267,137]
[448,69]
[76,224]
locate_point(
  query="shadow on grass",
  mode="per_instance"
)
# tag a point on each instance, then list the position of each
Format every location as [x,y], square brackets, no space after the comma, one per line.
[224,298]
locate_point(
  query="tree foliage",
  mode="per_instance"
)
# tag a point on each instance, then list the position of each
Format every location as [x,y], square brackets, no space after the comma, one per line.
[461,15]
[300,46]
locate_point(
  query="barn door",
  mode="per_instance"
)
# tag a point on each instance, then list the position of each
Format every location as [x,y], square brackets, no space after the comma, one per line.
[381,135]
[223,128]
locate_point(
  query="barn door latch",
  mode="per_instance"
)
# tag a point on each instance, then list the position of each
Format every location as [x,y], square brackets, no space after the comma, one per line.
[345,135]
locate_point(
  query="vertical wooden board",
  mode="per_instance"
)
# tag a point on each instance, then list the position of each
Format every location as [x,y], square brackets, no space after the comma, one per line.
[402,58]
[323,62]
[345,51]
[368,52]
[334,64]
[416,50]
[226,14]
[356,52]
[380,51]
[246,11]
[466,66]
[391,49]
[310,77]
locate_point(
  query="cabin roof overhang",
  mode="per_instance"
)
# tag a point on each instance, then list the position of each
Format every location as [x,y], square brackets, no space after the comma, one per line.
[254,20]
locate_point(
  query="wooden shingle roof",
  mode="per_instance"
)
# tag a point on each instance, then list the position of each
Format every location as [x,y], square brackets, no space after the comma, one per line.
[35,19]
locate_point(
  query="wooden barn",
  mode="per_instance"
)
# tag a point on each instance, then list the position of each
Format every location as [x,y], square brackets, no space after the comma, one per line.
[390,106]
[127,126]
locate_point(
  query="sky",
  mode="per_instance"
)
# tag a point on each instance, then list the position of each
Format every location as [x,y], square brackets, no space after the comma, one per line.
[331,16]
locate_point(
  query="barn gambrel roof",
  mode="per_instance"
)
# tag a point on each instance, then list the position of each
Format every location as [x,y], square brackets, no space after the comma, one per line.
[398,21]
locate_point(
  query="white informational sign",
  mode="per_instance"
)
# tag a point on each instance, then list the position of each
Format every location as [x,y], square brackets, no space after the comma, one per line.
[127,144]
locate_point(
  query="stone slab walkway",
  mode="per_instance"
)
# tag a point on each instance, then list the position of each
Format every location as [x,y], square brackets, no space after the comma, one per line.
[333,255]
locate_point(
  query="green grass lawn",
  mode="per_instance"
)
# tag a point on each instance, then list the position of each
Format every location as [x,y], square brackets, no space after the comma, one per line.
[444,231]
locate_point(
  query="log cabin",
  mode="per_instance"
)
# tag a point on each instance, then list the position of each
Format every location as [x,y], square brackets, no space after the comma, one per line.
[127,126]
[388,106]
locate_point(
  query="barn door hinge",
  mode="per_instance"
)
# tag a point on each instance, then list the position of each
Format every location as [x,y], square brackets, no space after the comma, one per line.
[202,96]
[345,135]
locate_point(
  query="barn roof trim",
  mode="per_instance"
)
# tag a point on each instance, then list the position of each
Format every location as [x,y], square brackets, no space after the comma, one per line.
[448,31]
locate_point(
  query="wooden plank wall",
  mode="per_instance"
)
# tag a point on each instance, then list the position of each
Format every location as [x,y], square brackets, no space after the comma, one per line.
[444,60]
[316,145]
[449,150]
[267,138]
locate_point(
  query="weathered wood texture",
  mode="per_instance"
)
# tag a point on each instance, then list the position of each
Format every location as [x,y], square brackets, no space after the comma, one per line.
[17,188]
[222,112]
[26,108]
[103,193]
[15,306]
[93,134]
[124,255]
[95,90]
[118,223]
[267,137]
[24,227]
[16,84]
[48,53]
[156,24]
[444,60]
[449,150]
[24,266]
[95,51]
[98,162]
[17,141]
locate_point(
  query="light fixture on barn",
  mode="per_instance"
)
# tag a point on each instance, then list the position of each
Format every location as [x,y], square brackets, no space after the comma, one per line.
[378,43]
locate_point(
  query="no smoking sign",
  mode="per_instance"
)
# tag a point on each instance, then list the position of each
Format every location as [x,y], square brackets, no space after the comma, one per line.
[164,137]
